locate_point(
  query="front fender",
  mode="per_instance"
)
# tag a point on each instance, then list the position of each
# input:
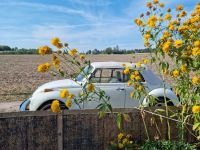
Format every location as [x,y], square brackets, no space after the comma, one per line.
[160,93]
[41,98]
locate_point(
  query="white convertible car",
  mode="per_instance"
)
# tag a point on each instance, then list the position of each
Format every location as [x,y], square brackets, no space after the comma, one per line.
[107,76]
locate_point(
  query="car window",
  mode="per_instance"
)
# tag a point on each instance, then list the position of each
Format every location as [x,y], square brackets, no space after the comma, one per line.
[87,70]
[107,75]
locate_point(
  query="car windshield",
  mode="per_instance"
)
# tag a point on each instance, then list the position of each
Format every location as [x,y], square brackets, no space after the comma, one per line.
[87,70]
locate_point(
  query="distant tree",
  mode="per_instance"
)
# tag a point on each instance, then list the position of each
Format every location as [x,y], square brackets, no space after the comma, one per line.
[5,48]
[108,50]
[89,52]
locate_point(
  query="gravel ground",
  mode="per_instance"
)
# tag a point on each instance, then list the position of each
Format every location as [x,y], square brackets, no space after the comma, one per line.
[10,106]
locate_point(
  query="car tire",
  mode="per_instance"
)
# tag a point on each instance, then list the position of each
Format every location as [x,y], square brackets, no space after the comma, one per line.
[161,102]
[47,107]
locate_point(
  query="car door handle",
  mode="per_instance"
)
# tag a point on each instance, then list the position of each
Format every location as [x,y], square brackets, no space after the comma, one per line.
[120,89]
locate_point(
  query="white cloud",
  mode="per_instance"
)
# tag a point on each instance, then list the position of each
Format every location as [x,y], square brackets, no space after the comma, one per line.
[54,8]
[92,2]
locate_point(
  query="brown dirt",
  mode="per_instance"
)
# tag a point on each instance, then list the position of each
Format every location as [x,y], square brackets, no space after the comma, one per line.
[19,73]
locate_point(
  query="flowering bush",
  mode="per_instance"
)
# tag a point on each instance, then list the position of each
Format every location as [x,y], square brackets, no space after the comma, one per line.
[66,62]
[167,37]
[176,38]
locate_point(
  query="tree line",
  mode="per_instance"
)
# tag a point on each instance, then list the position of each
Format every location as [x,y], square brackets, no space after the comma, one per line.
[110,50]
[117,50]
[4,49]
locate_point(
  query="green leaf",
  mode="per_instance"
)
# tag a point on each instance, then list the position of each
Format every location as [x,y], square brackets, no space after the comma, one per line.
[119,120]
[101,114]
[126,117]
[195,126]
[62,73]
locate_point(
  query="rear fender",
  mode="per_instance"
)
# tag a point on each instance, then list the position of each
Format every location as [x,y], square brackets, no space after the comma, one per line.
[161,93]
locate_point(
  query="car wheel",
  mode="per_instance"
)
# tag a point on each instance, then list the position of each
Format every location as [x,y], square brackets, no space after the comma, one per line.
[47,107]
[160,101]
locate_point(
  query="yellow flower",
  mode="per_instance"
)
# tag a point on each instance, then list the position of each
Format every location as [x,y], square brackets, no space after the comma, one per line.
[162,5]
[71,96]
[44,50]
[138,22]
[166,35]
[178,43]
[120,146]
[55,41]
[55,106]
[166,47]
[124,65]
[68,103]
[151,22]
[43,67]
[73,52]
[127,70]
[175,73]
[64,93]
[136,72]
[56,62]
[183,28]
[59,45]
[146,43]
[160,19]
[167,17]
[183,68]
[90,87]
[145,61]
[197,8]
[195,80]
[149,4]
[196,109]
[140,88]
[129,83]
[147,36]
[155,1]
[82,56]
[193,14]
[171,27]
[179,7]
[131,94]
[197,43]
[132,77]
[137,78]
[120,136]
[138,64]
[196,51]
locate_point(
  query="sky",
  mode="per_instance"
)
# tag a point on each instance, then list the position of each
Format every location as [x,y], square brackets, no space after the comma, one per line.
[84,24]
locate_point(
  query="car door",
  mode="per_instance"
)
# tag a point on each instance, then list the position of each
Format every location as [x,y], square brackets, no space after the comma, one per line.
[116,92]
[107,80]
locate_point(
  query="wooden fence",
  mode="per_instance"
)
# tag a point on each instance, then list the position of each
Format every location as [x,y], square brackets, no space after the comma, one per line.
[77,129]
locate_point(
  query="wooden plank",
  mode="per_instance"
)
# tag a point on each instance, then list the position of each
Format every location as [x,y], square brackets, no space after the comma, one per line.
[60,130]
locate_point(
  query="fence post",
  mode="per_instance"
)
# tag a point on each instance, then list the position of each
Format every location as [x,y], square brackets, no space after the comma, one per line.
[60,130]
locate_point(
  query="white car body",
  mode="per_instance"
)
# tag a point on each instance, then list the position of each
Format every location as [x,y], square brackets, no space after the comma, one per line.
[119,92]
